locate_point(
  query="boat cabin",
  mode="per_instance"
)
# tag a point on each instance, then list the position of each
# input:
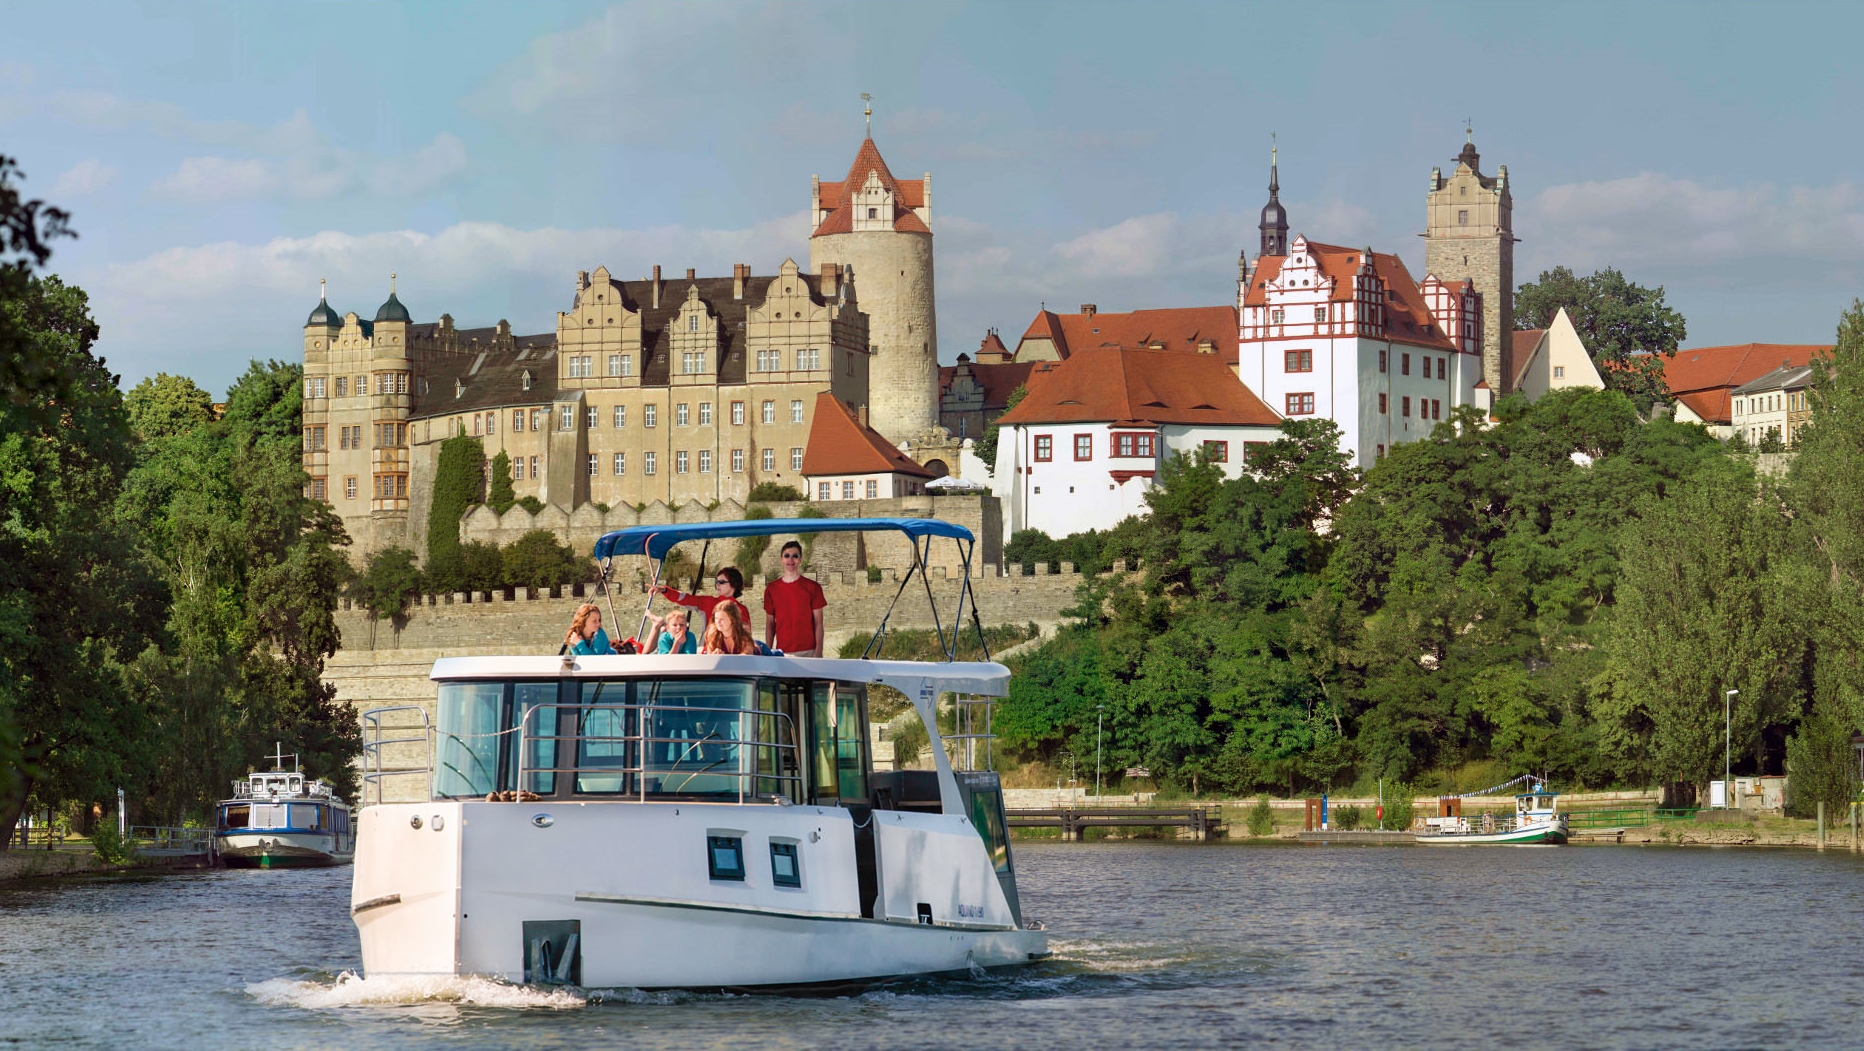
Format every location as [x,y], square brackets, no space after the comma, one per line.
[278,801]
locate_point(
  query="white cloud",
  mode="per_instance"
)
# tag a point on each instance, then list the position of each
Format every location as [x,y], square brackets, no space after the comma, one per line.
[206,180]
[83,178]
[427,168]
[1652,219]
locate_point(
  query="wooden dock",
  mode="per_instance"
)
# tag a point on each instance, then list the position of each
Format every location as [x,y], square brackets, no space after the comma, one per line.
[1204,822]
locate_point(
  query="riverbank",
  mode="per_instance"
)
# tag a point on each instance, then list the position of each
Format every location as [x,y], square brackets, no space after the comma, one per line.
[18,864]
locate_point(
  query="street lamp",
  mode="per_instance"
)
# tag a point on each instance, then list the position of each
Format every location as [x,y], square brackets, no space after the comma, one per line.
[1101,709]
[1728,760]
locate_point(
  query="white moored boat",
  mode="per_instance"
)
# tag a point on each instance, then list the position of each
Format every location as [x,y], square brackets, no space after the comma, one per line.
[1536,820]
[703,821]
[282,819]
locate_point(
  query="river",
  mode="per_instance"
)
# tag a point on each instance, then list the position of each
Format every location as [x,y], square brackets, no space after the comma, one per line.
[1158,945]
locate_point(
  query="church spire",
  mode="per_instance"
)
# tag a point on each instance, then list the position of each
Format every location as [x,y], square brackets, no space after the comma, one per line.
[1274,225]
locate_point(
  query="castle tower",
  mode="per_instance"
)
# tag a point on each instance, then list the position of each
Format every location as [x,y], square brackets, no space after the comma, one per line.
[880,229]
[1469,235]
[1274,224]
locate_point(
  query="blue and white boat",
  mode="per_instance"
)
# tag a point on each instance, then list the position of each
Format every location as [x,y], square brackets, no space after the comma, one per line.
[282,819]
[688,821]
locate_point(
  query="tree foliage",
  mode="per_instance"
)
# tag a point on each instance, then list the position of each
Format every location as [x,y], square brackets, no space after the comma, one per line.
[500,495]
[1623,324]
[985,445]
[459,483]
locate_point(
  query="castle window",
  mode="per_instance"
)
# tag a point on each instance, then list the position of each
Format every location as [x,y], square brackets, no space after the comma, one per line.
[1219,452]
[769,460]
[1381,361]
[342,386]
[650,416]
[1404,406]
[1320,315]
[796,458]
[526,379]
[847,490]
[534,475]
[362,386]
[768,412]
[1084,447]
[592,417]
[614,364]
[1404,364]
[1462,218]
[627,364]
[705,461]
[567,418]
[873,489]
[1382,397]
[1559,371]
[537,419]
[1298,361]
[317,489]
[737,461]
[317,387]
[1380,454]
[621,416]
[692,362]
[1299,404]
[594,465]
[1275,316]
[1045,448]
[705,414]
[692,323]
[1443,365]
[737,414]
[349,488]
[682,414]
[1436,408]
[767,360]
[822,490]
[650,463]
[517,420]
[475,423]
[621,464]
[808,360]
[316,438]
[796,411]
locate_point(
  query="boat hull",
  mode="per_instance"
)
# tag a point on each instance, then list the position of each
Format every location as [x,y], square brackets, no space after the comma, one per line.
[1544,833]
[279,850]
[619,895]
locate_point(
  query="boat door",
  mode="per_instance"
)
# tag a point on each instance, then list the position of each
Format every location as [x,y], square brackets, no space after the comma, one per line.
[838,771]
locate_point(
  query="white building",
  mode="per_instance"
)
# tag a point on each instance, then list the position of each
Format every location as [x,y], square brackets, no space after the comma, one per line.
[848,460]
[1773,403]
[1552,358]
[1346,334]
[1080,451]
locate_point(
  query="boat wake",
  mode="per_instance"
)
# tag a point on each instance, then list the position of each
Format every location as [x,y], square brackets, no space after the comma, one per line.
[352,990]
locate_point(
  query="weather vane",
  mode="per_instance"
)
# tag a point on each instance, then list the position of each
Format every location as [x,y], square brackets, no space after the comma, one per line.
[1469,129]
[869,99]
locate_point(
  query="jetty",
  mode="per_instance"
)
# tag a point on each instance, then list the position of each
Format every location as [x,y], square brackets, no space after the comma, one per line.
[1205,822]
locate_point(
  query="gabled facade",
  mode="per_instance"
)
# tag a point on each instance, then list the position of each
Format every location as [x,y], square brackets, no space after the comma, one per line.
[1702,380]
[845,459]
[1775,404]
[977,389]
[1203,330]
[1345,333]
[1551,358]
[1081,450]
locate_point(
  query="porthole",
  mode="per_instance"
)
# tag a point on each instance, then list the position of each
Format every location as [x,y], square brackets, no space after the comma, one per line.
[725,857]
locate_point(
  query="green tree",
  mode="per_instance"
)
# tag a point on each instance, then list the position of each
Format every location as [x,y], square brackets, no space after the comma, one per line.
[388,584]
[1624,325]
[482,566]
[538,560]
[500,496]
[165,405]
[459,483]
[774,492]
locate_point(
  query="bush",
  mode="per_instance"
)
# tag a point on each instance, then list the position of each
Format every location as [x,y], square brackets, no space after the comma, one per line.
[109,847]
[538,560]
[482,566]
[873,574]
[771,492]
[1347,818]
[459,483]
[1820,763]
[533,504]
[389,581]
[1397,809]
[1261,820]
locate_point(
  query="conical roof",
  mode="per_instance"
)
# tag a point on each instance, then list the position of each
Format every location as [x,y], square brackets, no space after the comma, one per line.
[392,310]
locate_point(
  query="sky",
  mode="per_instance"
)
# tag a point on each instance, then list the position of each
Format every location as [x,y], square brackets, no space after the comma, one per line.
[219,159]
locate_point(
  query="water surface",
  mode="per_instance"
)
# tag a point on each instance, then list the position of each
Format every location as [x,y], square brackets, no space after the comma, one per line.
[1158,945]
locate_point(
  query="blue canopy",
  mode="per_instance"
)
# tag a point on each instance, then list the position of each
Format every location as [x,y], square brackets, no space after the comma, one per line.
[655,541]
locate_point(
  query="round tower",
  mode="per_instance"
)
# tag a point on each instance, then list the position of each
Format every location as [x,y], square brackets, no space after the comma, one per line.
[881,230]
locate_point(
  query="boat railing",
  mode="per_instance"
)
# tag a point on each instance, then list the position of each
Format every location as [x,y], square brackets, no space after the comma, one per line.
[375,743]
[760,760]
[971,722]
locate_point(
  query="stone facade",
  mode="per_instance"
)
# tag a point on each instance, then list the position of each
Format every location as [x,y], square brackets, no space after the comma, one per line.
[1469,235]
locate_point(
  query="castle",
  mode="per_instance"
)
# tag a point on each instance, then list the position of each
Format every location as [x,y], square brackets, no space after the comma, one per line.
[658,390]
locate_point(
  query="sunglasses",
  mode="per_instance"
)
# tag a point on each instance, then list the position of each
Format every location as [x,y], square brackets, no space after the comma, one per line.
[722,582]
[798,557]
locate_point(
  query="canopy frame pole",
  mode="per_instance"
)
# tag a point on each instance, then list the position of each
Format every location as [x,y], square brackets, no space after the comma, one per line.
[699,577]
[926,577]
[877,644]
[964,584]
[970,550]
[649,608]
[609,593]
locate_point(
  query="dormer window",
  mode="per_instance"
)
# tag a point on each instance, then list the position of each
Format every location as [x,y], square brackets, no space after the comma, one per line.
[527,379]
[459,388]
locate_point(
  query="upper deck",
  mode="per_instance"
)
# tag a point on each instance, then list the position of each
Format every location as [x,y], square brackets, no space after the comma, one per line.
[912,678]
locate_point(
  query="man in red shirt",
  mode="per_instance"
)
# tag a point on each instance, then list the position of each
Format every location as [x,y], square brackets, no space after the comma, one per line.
[793,608]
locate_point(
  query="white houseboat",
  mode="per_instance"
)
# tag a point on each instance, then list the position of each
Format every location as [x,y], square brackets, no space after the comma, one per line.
[1536,820]
[282,819]
[699,821]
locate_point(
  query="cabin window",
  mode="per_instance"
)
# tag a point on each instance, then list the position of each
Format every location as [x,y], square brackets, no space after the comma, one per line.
[238,816]
[785,868]
[470,716]
[987,818]
[534,714]
[725,857]
[837,739]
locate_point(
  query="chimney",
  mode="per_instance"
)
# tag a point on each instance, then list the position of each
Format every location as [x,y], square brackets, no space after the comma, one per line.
[861,413]
[1089,309]
[740,273]
[831,279]
[582,280]
[656,283]
[691,274]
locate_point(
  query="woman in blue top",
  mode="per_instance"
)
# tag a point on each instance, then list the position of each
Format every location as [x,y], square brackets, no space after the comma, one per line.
[673,634]
[586,637]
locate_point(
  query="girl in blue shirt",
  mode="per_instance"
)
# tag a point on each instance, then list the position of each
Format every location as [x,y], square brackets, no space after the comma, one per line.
[586,637]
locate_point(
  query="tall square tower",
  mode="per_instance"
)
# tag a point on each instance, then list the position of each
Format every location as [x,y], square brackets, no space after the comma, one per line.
[1469,236]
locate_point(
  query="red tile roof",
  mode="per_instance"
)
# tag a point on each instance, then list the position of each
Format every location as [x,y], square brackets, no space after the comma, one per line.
[839,443]
[1176,328]
[1520,347]
[1102,385]
[837,197]
[998,380]
[1701,377]
[1407,317]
